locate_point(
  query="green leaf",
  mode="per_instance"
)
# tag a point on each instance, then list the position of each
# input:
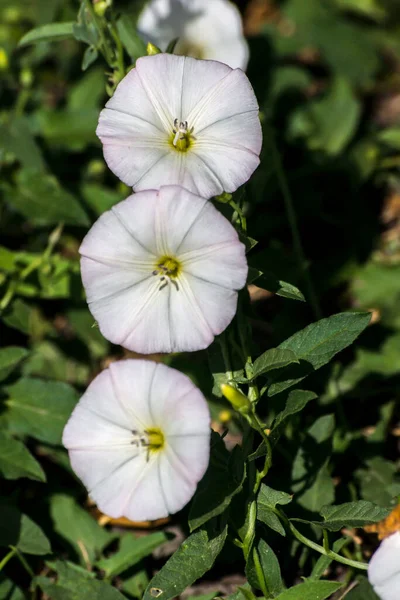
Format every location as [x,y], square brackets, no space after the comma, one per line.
[296,401]
[75,525]
[135,585]
[20,531]
[362,591]
[390,137]
[32,539]
[319,25]
[217,367]
[329,123]
[129,37]
[195,557]
[16,461]
[73,128]
[351,514]
[9,590]
[16,137]
[89,57]
[131,551]
[311,590]
[268,281]
[274,358]
[316,345]
[222,481]
[324,561]
[39,408]
[76,584]
[267,500]
[379,481]
[10,358]
[41,199]
[48,33]
[84,328]
[100,198]
[263,570]
[19,316]
[310,476]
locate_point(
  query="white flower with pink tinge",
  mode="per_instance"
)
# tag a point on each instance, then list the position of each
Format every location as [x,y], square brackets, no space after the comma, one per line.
[210,29]
[162,271]
[139,439]
[175,120]
[384,568]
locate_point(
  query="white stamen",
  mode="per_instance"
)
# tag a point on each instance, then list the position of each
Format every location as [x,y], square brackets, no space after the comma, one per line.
[181,130]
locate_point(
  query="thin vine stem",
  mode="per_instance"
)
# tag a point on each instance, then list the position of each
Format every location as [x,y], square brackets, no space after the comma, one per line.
[7,557]
[292,219]
[317,547]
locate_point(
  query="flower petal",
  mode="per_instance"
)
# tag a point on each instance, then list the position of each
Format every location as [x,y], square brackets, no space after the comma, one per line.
[123,234]
[199,24]
[100,404]
[232,95]
[223,265]
[177,212]
[385,563]
[123,476]
[221,110]
[161,77]
[124,310]
[233,166]
[178,404]
[135,304]
[217,304]
[181,466]
[390,590]
[131,99]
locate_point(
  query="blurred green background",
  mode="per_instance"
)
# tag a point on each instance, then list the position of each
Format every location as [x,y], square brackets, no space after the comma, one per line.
[327,77]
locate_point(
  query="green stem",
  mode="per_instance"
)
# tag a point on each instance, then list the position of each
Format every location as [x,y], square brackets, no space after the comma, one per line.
[226,358]
[243,220]
[321,549]
[120,50]
[23,561]
[33,266]
[291,215]
[7,558]
[99,26]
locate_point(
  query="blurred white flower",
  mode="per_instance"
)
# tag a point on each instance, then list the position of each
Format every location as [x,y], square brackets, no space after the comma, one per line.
[139,440]
[210,29]
[178,120]
[161,271]
[384,568]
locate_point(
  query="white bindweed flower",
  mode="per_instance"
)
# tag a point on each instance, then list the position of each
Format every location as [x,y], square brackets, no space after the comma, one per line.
[161,271]
[384,568]
[139,439]
[178,120]
[210,29]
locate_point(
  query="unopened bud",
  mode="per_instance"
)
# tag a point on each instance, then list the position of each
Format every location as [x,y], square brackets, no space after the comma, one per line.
[224,198]
[152,49]
[236,398]
[225,416]
[3,60]
[26,78]
[100,7]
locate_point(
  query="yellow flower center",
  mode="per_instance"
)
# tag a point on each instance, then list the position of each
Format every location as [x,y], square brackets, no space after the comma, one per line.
[156,439]
[167,269]
[152,439]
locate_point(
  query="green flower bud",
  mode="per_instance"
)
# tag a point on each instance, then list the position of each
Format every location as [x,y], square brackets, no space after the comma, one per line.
[3,60]
[152,49]
[26,77]
[238,400]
